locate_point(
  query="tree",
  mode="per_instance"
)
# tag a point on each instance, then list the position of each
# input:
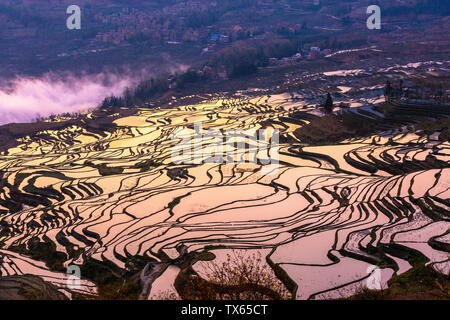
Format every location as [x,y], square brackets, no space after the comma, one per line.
[242,276]
[388,90]
[328,106]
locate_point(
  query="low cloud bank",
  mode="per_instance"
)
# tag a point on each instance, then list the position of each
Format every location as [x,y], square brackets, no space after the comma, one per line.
[25,99]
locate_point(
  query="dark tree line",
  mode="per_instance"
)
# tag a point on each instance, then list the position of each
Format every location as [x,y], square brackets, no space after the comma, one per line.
[242,58]
[238,60]
[150,88]
[145,90]
[422,89]
[23,14]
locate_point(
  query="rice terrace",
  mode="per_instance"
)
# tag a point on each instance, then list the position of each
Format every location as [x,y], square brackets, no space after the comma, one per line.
[87,196]
[322,178]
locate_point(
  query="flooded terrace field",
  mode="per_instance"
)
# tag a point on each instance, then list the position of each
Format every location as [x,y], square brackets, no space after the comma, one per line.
[324,215]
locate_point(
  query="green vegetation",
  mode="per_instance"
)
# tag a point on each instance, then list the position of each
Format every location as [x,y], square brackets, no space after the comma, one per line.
[28,287]
[120,290]
[419,283]
[334,128]
[43,251]
[111,282]
[104,170]
[237,60]
[147,165]
[244,58]
[431,126]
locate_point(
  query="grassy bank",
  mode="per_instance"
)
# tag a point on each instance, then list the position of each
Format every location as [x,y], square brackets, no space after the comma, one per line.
[419,283]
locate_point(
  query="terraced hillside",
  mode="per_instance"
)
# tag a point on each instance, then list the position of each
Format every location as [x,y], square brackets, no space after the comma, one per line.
[117,199]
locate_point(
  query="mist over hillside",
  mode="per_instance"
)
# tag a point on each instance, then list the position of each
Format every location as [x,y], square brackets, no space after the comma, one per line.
[28,99]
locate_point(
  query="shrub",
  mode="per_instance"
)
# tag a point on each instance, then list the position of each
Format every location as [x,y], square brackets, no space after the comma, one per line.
[240,277]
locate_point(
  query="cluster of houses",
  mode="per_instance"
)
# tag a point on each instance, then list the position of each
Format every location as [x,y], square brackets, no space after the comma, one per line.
[170,25]
[313,54]
[158,25]
[151,30]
